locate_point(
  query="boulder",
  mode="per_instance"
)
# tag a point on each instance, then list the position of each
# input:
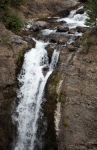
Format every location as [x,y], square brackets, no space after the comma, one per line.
[81,29]
[35,25]
[59,39]
[34,28]
[53,40]
[64,13]
[62,28]
[42,24]
[45,69]
[62,22]
[50,49]
[72,31]
[80,11]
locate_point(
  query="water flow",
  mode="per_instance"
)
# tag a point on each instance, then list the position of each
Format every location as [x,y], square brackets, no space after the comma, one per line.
[30,94]
[74,20]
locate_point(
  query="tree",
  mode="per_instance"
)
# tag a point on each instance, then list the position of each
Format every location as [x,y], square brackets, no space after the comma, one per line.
[92,13]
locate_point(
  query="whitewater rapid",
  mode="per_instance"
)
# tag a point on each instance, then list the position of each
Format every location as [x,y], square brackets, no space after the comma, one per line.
[74,20]
[30,95]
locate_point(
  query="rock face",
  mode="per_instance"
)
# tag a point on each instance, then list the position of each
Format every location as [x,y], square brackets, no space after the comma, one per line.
[11,52]
[75,78]
[45,8]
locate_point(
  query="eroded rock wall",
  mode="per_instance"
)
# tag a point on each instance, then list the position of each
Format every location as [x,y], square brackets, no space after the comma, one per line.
[45,8]
[77,72]
[12,48]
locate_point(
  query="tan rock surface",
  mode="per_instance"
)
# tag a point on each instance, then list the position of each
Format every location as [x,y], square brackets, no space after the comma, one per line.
[11,51]
[78,97]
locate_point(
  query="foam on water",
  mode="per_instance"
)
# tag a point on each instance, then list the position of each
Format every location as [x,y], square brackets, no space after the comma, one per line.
[48,31]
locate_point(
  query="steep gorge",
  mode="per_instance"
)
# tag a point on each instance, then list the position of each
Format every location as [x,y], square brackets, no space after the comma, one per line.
[74,77]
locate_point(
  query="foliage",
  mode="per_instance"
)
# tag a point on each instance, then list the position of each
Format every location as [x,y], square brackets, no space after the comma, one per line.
[13,22]
[92,13]
[86,42]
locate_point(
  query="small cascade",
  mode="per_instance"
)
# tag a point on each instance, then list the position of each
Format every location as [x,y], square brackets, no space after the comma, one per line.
[74,20]
[30,94]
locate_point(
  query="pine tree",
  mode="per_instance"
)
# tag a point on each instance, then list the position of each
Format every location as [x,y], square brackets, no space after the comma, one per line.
[92,13]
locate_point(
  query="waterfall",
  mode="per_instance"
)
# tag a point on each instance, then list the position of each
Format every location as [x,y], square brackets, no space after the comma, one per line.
[30,95]
[32,82]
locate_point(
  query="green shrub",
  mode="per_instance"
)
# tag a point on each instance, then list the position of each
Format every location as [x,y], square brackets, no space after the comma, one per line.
[92,13]
[86,43]
[13,22]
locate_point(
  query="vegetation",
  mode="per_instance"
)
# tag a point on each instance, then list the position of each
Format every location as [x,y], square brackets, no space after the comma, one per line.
[86,42]
[13,22]
[11,19]
[92,13]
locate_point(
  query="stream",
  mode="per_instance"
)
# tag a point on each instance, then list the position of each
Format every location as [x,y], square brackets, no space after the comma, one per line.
[32,80]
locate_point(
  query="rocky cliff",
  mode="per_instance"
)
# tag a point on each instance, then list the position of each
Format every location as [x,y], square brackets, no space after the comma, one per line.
[12,48]
[45,8]
[73,86]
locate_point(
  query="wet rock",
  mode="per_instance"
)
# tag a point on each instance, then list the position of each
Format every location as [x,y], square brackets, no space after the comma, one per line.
[45,68]
[43,24]
[63,28]
[35,25]
[62,22]
[50,48]
[53,40]
[81,29]
[64,13]
[59,39]
[31,43]
[34,28]
[80,11]
[72,31]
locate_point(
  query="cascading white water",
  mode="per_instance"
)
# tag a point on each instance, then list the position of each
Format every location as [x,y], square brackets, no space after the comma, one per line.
[74,20]
[30,94]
